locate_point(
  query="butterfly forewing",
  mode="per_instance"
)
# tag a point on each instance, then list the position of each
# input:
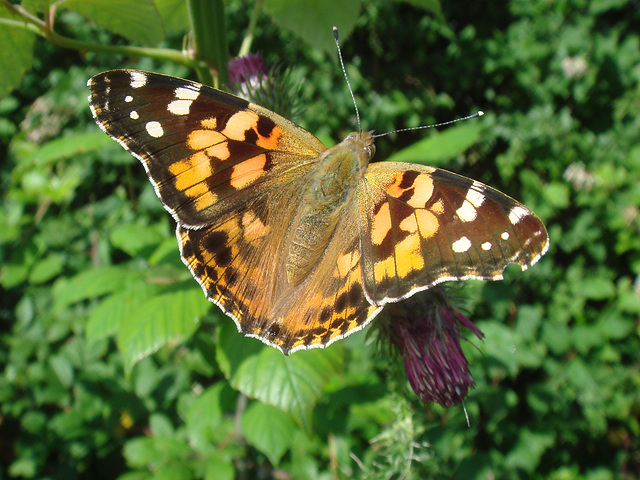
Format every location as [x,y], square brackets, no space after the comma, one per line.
[205,151]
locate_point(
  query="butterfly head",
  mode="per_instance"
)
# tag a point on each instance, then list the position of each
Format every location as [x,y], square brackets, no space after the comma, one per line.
[362,145]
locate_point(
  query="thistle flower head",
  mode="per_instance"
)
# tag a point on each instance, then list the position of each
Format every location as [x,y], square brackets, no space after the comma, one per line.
[247,72]
[251,78]
[426,330]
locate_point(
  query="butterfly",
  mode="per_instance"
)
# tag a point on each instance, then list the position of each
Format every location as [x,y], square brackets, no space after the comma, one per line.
[300,244]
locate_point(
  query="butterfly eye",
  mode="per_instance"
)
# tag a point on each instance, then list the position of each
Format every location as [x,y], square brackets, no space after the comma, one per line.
[371,150]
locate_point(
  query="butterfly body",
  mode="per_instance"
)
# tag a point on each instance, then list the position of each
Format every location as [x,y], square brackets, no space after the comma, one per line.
[302,245]
[328,193]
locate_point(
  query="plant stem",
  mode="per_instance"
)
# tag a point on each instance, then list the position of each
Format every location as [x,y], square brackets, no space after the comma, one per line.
[210,39]
[245,48]
[39,27]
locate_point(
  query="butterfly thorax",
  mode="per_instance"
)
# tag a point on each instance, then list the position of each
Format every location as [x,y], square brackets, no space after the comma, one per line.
[331,186]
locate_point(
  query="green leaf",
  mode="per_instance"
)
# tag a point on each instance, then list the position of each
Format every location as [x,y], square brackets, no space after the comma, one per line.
[133,238]
[46,269]
[313,21]
[174,15]
[138,21]
[105,320]
[140,452]
[68,147]
[219,469]
[437,149]
[168,318]
[556,194]
[90,284]
[13,274]
[528,450]
[204,415]
[63,369]
[597,288]
[432,6]
[292,384]
[268,429]
[502,346]
[16,52]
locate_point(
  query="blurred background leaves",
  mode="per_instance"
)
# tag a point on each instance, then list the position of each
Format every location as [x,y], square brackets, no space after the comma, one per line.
[114,365]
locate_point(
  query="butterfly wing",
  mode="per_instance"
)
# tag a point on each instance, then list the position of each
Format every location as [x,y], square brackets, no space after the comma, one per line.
[240,264]
[422,226]
[205,151]
[232,174]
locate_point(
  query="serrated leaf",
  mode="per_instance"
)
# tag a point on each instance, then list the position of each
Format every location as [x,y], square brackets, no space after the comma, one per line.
[174,15]
[105,320]
[16,52]
[168,318]
[63,369]
[133,238]
[137,21]
[204,415]
[219,469]
[68,147]
[597,288]
[13,274]
[314,21]
[46,269]
[268,429]
[90,284]
[557,194]
[292,384]
[36,6]
[437,149]
[528,450]
[501,345]
[140,452]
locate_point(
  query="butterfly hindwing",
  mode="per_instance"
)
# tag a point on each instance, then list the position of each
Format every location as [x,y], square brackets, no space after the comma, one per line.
[234,259]
[423,226]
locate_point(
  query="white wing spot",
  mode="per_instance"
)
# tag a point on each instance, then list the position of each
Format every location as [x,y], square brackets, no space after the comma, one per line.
[134,115]
[486,246]
[475,195]
[185,97]
[154,129]
[180,107]
[517,214]
[128,99]
[183,93]
[467,212]
[138,79]
[461,245]
[505,235]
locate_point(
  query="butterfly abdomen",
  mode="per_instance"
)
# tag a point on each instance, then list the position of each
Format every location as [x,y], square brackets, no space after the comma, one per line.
[329,190]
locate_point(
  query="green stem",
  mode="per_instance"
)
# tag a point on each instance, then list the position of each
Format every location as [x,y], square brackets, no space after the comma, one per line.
[39,27]
[210,39]
[245,48]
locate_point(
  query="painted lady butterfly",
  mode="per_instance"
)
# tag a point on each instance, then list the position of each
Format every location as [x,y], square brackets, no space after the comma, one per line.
[302,244]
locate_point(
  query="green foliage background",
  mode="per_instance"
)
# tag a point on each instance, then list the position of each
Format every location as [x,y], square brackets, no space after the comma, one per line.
[114,366]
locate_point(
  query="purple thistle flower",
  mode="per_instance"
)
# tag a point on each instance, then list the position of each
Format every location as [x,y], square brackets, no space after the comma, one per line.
[251,69]
[426,331]
[251,79]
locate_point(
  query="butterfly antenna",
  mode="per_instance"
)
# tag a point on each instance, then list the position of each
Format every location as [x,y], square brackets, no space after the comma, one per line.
[466,414]
[344,71]
[474,115]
